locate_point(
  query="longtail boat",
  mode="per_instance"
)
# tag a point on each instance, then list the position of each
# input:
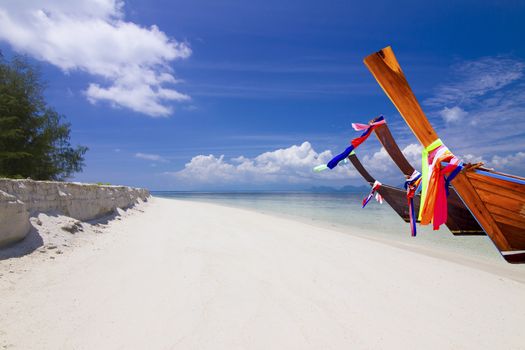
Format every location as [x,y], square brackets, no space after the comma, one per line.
[495,199]
[460,221]
[395,197]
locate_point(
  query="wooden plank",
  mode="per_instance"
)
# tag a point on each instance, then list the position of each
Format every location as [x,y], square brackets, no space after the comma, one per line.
[361,169]
[386,70]
[388,73]
[394,197]
[508,221]
[515,235]
[510,214]
[507,185]
[499,191]
[397,200]
[460,221]
[471,198]
[390,145]
[500,201]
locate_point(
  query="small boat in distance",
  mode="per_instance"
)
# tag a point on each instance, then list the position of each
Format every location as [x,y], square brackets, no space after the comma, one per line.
[460,221]
[495,199]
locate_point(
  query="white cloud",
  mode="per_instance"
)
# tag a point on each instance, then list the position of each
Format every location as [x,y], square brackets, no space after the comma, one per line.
[151,157]
[293,165]
[381,164]
[412,153]
[509,161]
[470,158]
[452,115]
[130,62]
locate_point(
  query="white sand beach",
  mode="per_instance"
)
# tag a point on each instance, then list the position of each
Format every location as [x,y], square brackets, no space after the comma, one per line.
[173,274]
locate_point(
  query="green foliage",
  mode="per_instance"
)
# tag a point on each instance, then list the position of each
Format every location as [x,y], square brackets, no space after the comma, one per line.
[103,184]
[34,139]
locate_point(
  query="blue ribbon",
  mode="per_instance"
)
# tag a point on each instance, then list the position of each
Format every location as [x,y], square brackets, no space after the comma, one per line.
[355,142]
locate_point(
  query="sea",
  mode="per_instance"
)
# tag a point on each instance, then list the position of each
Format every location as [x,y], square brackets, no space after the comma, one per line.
[342,212]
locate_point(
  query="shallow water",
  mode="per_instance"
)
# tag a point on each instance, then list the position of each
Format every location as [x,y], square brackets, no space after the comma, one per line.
[343,211]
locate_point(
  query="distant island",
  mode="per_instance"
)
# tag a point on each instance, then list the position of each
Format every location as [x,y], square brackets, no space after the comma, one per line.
[344,189]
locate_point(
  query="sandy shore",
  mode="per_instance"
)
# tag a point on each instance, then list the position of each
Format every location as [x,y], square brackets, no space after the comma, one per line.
[186,275]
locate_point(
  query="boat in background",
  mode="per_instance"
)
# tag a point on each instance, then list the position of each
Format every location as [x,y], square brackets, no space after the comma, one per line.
[460,221]
[395,197]
[495,199]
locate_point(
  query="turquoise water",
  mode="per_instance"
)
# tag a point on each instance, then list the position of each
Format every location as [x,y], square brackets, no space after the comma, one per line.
[342,211]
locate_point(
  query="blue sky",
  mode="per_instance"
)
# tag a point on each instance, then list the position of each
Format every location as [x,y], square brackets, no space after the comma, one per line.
[201,95]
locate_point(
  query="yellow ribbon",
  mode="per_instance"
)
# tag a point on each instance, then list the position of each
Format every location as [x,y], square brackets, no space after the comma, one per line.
[424,172]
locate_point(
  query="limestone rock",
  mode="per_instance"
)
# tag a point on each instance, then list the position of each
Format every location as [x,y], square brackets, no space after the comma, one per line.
[14,219]
[20,199]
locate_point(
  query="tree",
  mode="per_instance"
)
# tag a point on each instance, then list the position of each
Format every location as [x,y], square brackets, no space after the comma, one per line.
[34,138]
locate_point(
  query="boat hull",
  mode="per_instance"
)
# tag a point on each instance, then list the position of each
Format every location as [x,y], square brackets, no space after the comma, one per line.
[395,197]
[496,200]
[460,221]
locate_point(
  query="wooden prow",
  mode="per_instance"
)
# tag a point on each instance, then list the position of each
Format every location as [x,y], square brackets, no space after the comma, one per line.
[395,197]
[387,140]
[387,71]
[460,221]
[361,169]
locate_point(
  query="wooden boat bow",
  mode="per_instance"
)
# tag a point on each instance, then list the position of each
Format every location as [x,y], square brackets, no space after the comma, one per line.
[460,221]
[395,197]
[496,201]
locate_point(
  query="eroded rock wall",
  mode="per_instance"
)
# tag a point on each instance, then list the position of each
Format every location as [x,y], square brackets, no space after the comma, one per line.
[21,198]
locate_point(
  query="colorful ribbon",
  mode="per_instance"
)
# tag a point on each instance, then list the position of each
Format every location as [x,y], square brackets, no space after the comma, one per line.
[379,198]
[412,184]
[424,171]
[323,167]
[435,179]
[320,168]
[357,141]
[373,190]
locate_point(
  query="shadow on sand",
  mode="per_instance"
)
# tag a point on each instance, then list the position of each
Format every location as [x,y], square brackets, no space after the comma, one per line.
[30,243]
[34,239]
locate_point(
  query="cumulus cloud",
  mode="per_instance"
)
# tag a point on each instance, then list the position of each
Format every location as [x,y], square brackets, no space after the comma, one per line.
[509,161]
[378,162]
[292,165]
[381,164]
[129,62]
[471,158]
[151,157]
[452,115]
[412,153]
[512,162]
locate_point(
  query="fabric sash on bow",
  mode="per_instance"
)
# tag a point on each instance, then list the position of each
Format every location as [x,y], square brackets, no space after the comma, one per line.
[435,179]
[412,184]
[379,198]
[368,128]
[323,167]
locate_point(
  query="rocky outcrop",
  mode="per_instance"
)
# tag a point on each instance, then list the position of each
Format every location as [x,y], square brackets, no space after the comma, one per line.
[14,219]
[20,199]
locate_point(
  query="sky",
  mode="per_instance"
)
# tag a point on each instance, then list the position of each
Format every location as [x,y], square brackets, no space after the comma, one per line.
[251,95]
